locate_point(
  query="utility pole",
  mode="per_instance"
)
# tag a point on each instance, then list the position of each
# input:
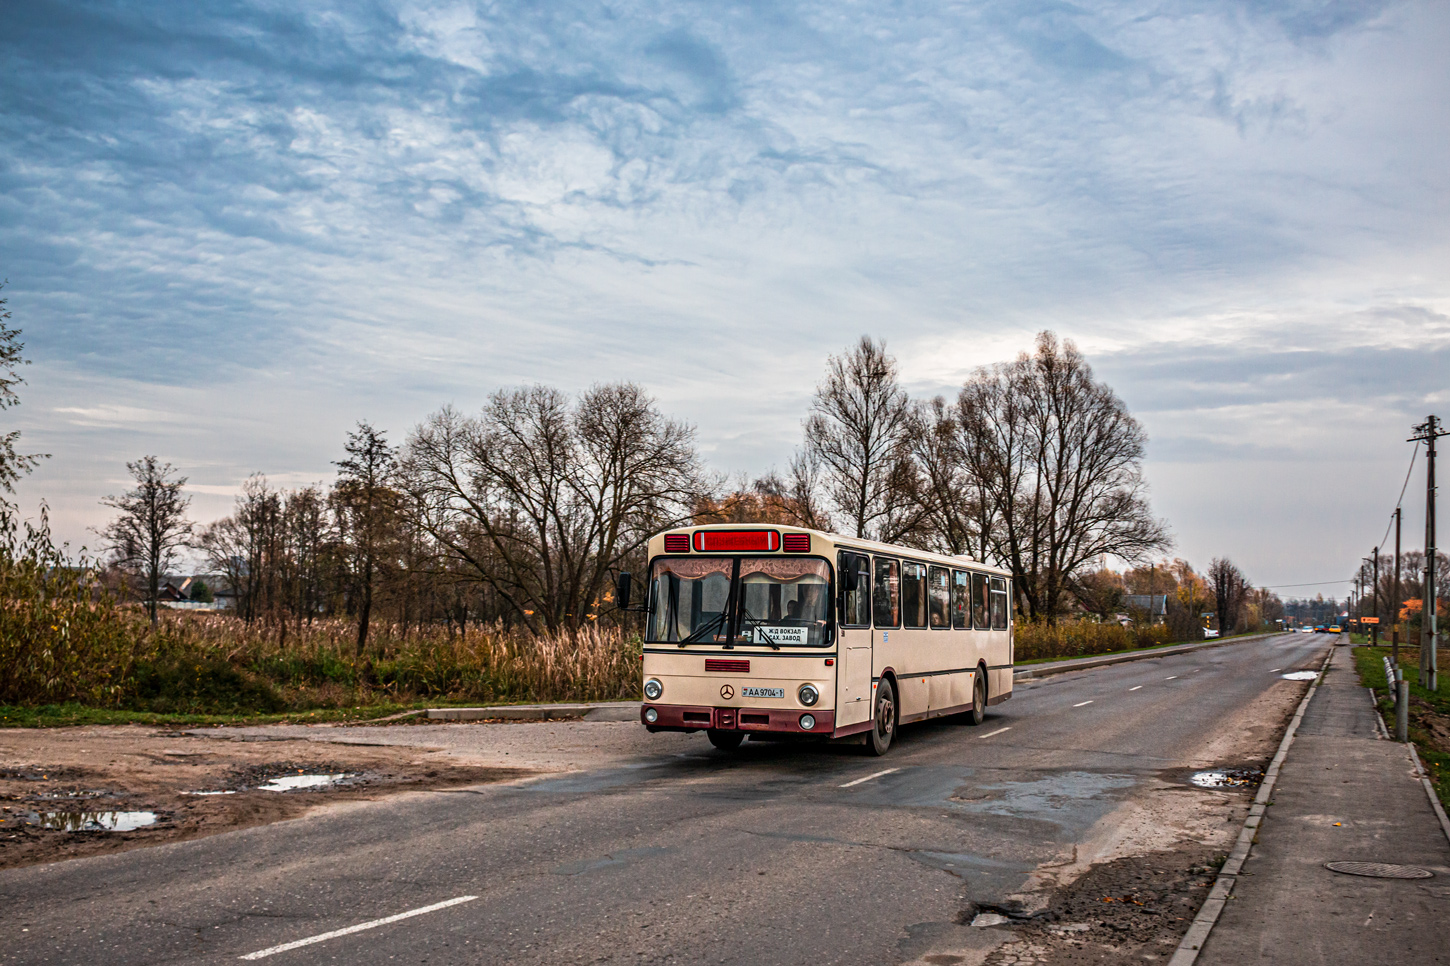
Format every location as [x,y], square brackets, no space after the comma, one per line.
[1427,432]
[1375,627]
[1397,603]
[1402,687]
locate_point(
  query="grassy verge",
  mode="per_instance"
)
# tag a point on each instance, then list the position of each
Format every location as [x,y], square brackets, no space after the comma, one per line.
[1429,710]
[1135,650]
[73,714]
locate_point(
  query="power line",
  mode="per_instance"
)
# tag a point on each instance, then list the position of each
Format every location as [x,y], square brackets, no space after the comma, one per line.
[1317,583]
[1401,500]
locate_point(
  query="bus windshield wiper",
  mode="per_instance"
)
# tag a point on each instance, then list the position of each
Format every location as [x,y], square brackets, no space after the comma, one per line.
[758,623]
[710,626]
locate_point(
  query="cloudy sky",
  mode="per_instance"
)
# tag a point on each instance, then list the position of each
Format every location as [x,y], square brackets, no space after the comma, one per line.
[231,230]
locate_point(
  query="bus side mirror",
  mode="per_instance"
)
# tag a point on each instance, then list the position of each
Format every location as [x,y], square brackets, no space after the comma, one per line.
[622,586]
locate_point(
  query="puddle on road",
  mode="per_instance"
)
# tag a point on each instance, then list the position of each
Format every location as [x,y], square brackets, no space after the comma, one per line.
[1300,675]
[223,792]
[290,783]
[94,821]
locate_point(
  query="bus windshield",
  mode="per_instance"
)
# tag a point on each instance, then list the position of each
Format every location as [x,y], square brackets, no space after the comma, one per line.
[766,601]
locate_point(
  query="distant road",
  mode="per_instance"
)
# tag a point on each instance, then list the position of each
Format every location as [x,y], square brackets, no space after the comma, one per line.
[778,854]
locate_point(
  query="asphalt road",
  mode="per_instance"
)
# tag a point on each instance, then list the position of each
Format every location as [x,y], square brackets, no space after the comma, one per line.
[777,854]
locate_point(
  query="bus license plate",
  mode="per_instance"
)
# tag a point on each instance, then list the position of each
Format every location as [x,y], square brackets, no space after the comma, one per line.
[763,693]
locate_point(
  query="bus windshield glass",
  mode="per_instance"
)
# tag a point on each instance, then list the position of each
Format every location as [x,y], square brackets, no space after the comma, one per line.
[764,601]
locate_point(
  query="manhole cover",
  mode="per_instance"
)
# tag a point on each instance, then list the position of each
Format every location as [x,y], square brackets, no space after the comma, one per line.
[1379,870]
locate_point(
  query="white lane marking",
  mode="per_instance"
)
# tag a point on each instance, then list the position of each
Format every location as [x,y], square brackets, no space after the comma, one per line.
[1274,670]
[274,950]
[998,731]
[869,777]
[1079,705]
[1134,689]
[1171,678]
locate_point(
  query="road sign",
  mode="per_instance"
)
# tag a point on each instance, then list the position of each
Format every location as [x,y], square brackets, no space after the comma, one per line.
[1369,620]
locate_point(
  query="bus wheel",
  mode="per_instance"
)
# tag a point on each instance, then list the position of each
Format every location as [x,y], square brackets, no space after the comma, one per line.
[978,714]
[878,739]
[725,740]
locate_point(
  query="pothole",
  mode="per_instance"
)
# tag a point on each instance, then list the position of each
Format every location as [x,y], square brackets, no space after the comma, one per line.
[1379,870]
[94,821]
[1300,675]
[1227,778]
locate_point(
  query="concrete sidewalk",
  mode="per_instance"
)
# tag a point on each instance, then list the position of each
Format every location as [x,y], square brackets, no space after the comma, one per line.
[1343,794]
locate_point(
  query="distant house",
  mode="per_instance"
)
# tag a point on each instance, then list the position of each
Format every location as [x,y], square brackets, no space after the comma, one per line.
[176,591]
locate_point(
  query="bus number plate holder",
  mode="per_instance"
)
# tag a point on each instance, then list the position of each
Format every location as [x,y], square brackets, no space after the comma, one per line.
[763,693]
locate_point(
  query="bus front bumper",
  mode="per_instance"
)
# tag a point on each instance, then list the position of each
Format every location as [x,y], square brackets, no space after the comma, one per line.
[684,717]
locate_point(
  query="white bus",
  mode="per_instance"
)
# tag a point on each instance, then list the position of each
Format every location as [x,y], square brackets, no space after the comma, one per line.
[774,631]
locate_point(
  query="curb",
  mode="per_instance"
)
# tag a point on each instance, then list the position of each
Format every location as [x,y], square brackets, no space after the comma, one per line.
[535,712]
[1430,790]
[1207,918]
[1083,664]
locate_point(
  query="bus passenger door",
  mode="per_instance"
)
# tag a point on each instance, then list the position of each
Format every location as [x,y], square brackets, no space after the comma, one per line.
[853,679]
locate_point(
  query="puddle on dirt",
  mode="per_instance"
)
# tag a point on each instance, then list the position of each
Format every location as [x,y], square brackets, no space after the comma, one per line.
[1300,675]
[1232,778]
[289,783]
[228,791]
[95,821]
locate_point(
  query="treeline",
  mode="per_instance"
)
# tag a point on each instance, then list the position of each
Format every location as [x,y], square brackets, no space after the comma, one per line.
[522,512]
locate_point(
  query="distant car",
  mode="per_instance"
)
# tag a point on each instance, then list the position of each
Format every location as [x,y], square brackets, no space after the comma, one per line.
[1306,630]
[1319,628]
[1335,629]
[1209,632]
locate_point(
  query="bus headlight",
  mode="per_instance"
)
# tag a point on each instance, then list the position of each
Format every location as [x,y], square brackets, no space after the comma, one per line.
[651,715]
[808,695]
[653,689]
[808,721]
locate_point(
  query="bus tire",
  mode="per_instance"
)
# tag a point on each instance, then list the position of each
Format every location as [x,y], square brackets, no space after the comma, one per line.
[978,714]
[883,728]
[725,740]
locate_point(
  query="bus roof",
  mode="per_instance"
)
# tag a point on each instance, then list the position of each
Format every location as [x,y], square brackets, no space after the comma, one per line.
[836,540]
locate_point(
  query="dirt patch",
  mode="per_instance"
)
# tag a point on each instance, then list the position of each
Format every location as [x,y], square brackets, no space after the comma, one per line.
[1135,908]
[67,776]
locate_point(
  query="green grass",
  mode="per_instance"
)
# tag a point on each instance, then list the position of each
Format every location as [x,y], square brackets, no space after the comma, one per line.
[72,715]
[1423,706]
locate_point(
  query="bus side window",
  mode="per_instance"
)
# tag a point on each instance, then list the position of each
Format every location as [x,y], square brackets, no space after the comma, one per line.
[999,604]
[979,602]
[886,597]
[913,594]
[855,572]
[941,597]
[961,600]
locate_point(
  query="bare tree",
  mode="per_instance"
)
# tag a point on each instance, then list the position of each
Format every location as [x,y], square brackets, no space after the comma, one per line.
[13,465]
[860,432]
[366,501]
[1229,587]
[540,496]
[1055,459]
[952,515]
[152,527]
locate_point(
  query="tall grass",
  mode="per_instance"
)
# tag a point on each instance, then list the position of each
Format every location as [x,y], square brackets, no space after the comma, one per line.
[315,666]
[1036,640]
[60,640]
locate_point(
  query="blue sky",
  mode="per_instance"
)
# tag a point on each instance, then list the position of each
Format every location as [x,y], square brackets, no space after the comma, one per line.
[232,230]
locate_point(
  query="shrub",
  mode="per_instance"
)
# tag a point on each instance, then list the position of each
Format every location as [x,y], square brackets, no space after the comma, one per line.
[1038,639]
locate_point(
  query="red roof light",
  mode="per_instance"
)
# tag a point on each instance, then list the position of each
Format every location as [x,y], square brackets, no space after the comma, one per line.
[797,543]
[736,541]
[677,543]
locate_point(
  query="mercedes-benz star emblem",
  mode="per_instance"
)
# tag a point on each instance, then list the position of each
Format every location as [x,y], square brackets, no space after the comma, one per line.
[727,692]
